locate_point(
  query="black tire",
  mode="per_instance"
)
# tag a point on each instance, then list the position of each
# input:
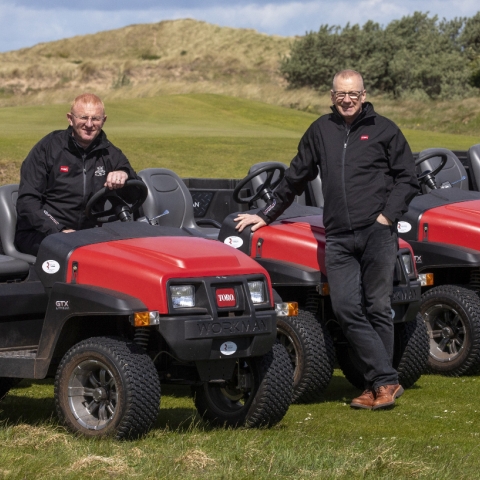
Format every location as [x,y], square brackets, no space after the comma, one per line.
[107,387]
[347,365]
[410,355]
[452,317]
[311,352]
[6,383]
[263,401]
[411,351]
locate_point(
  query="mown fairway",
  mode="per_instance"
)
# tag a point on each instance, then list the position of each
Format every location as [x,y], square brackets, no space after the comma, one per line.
[433,432]
[196,135]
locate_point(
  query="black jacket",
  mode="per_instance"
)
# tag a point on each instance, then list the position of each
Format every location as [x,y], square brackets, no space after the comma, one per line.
[58,177]
[366,169]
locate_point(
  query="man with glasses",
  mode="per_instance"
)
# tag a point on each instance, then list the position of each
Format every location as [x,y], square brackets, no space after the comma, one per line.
[61,173]
[368,180]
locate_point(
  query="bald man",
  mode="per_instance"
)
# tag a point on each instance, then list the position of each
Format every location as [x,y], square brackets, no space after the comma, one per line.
[62,172]
[368,180]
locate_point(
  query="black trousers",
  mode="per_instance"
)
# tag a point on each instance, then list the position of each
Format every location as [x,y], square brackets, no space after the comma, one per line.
[28,241]
[360,266]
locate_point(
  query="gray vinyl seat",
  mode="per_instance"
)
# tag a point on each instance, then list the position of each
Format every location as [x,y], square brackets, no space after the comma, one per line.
[8,221]
[473,162]
[12,269]
[167,191]
[452,172]
[314,187]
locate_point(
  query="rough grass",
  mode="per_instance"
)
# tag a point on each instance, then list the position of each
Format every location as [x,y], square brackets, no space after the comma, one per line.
[433,432]
[197,135]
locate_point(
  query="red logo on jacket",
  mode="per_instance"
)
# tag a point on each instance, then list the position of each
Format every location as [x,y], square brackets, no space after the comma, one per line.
[64,169]
[364,137]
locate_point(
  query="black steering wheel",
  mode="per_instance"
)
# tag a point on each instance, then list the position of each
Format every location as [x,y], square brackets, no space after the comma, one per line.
[265,190]
[428,177]
[134,190]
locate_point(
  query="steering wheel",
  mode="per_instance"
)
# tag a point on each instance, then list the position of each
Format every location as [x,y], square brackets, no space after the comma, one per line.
[428,177]
[265,190]
[121,209]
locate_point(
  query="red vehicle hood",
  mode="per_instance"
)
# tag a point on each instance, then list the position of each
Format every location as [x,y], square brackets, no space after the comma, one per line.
[141,267]
[456,224]
[300,240]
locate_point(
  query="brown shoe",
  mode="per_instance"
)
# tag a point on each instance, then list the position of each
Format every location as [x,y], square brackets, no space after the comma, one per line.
[385,396]
[365,400]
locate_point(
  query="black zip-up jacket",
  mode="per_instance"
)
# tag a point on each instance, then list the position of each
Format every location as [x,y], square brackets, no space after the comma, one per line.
[58,177]
[366,168]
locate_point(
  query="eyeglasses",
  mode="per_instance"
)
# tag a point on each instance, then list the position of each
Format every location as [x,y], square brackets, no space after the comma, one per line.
[353,95]
[86,119]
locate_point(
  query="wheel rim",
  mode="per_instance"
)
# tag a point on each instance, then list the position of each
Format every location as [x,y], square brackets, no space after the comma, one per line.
[447,332]
[235,395]
[289,343]
[92,394]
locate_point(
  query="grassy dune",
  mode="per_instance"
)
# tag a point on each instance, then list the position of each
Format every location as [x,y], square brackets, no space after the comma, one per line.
[191,57]
[197,135]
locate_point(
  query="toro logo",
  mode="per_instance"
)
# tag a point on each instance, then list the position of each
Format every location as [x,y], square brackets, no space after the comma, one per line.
[364,137]
[226,297]
[64,169]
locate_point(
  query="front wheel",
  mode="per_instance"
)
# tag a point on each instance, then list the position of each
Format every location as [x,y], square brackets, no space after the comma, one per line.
[452,316]
[259,393]
[311,352]
[107,387]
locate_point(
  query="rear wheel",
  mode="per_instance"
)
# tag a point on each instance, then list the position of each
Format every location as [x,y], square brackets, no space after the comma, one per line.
[311,352]
[410,355]
[452,317]
[259,393]
[107,387]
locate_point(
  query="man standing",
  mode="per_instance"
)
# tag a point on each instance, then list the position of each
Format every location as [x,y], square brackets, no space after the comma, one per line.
[368,180]
[61,173]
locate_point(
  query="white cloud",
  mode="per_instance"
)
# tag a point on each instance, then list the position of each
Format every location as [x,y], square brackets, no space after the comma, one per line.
[22,26]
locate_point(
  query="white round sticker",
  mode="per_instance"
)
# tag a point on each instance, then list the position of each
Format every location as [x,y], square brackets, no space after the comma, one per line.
[403,227]
[393,312]
[50,266]
[228,348]
[235,242]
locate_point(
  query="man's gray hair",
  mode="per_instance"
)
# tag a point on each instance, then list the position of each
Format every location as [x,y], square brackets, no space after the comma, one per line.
[347,74]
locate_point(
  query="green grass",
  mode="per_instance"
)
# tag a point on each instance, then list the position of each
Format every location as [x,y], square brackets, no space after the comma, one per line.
[433,432]
[201,135]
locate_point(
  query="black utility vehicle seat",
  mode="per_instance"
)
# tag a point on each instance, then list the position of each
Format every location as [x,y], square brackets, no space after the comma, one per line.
[473,162]
[314,187]
[452,172]
[8,221]
[12,269]
[167,191]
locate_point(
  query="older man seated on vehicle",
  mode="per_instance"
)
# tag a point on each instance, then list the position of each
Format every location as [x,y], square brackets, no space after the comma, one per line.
[62,172]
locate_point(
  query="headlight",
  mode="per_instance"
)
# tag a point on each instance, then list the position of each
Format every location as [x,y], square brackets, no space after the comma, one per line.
[257,291]
[182,296]
[408,262]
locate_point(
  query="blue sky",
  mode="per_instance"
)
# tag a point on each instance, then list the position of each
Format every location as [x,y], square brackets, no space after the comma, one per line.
[24,23]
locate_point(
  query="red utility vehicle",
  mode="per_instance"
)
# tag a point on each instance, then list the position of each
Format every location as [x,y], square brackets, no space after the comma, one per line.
[292,252]
[113,312]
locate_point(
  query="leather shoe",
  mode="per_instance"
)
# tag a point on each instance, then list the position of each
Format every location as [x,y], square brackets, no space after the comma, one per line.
[385,396]
[365,400]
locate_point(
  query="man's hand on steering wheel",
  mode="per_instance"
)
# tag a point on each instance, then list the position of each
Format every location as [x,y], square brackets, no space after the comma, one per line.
[116,179]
